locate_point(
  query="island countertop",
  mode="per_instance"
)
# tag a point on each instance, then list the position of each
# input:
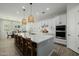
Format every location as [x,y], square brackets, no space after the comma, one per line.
[44,43]
[36,38]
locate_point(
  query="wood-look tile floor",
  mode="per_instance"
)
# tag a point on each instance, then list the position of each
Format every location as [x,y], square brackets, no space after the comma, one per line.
[7,48]
[60,50]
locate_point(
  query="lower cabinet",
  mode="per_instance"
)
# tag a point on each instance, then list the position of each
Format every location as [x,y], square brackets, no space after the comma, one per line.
[26,46]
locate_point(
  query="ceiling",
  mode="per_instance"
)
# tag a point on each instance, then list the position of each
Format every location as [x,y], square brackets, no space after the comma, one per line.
[13,11]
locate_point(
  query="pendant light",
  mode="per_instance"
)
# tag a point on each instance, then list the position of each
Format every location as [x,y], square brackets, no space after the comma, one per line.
[24,21]
[30,17]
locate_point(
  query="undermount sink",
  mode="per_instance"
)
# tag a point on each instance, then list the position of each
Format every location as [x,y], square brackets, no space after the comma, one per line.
[33,33]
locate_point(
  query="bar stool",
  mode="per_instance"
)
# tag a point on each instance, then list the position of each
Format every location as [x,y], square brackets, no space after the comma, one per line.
[15,39]
[25,47]
[18,41]
[30,47]
[21,44]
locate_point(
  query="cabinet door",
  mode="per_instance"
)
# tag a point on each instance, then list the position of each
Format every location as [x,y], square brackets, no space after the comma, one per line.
[63,19]
[77,29]
[71,30]
[57,20]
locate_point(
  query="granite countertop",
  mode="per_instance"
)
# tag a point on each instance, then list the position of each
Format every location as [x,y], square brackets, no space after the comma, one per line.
[36,38]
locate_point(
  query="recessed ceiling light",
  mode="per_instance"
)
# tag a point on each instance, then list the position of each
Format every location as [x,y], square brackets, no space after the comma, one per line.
[23,7]
[47,8]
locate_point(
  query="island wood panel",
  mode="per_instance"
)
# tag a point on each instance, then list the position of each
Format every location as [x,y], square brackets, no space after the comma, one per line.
[20,43]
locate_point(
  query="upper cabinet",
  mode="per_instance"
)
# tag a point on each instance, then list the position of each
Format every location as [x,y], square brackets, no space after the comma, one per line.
[61,20]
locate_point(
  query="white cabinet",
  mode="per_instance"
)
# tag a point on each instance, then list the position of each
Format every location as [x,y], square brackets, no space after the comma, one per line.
[57,21]
[70,30]
[45,48]
[73,27]
[61,19]
[77,28]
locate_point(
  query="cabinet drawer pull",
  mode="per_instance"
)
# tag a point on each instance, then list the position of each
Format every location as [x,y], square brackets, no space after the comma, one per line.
[68,34]
[78,35]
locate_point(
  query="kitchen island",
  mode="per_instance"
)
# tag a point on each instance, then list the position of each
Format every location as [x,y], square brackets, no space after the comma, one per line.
[44,43]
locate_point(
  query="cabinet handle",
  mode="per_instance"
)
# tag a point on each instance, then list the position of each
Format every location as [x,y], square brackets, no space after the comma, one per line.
[68,34]
[78,35]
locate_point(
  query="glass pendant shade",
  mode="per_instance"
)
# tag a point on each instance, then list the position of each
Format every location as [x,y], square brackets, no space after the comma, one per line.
[30,18]
[24,21]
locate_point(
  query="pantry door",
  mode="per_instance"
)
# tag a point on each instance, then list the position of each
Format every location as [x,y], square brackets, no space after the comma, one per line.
[77,28]
[73,27]
[71,30]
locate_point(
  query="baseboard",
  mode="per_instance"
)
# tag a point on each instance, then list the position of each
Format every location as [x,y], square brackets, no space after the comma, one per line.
[60,44]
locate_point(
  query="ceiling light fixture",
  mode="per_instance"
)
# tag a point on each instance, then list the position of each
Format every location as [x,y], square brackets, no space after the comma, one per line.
[30,17]
[23,7]
[47,8]
[24,21]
